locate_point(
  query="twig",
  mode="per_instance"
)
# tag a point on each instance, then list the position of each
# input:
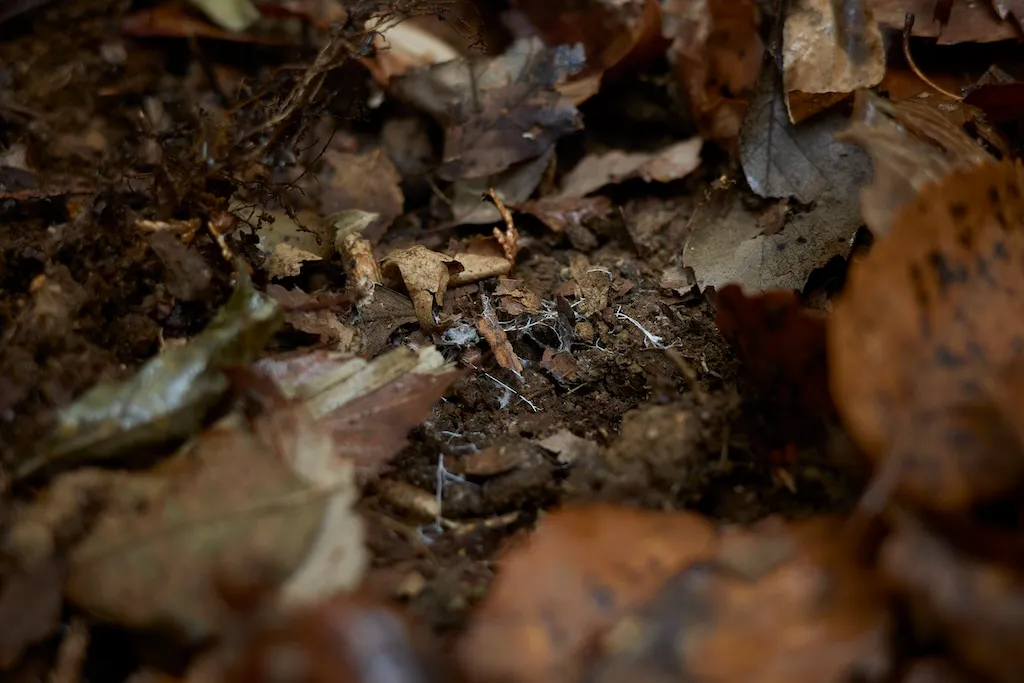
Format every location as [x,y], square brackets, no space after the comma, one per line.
[509,240]
[907,26]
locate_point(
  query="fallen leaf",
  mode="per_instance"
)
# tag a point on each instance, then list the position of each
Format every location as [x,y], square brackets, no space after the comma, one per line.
[322,322]
[498,341]
[791,596]
[368,182]
[402,46]
[353,398]
[425,274]
[347,638]
[782,346]
[911,146]
[169,396]
[232,15]
[814,58]
[381,315]
[286,241]
[568,447]
[595,171]
[514,299]
[486,104]
[806,162]
[715,57]
[922,352]
[513,186]
[580,570]
[976,603]
[186,274]
[30,605]
[482,259]
[610,32]
[969,22]
[559,212]
[280,495]
[176,20]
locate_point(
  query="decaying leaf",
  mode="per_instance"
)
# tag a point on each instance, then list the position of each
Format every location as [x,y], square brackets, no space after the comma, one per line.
[806,161]
[169,396]
[715,56]
[560,212]
[911,145]
[595,171]
[486,104]
[353,398]
[969,22]
[499,343]
[365,182]
[978,604]
[513,186]
[593,282]
[425,274]
[321,320]
[30,606]
[782,344]
[400,46]
[278,495]
[815,60]
[581,570]
[514,299]
[791,597]
[924,357]
[482,259]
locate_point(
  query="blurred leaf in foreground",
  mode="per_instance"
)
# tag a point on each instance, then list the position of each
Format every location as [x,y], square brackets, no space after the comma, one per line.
[169,397]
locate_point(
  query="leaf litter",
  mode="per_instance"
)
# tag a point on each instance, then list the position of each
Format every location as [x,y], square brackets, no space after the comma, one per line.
[557,347]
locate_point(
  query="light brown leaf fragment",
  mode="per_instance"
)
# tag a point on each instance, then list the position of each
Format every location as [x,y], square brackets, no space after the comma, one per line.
[561,365]
[513,299]
[363,271]
[499,343]
[815,61]
[568,447]
[476,267]
[425,274]
[593,282]
[595,171]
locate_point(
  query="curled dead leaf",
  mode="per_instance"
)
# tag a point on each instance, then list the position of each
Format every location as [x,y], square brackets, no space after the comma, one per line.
[425,274]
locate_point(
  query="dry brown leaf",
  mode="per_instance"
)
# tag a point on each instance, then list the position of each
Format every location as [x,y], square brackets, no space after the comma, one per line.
[368,182]
[514,299]
[30,607]
[363,270]
[912,145]
[322,322]
[597,170]
[499,343]
[969,22]
[715,56]
[425,274]
[353,398]
[976,603]
[924,350]
[559,212]
[568,447]
[561,365]
[780,603]
[149,559]
[814,60]
[581,570]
